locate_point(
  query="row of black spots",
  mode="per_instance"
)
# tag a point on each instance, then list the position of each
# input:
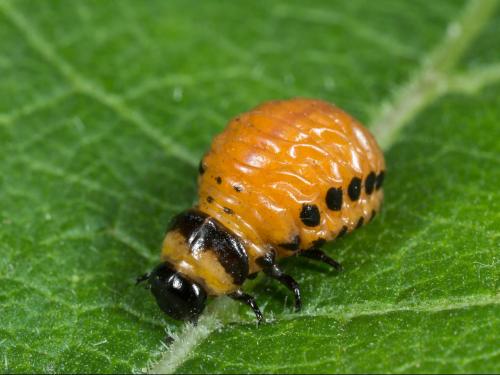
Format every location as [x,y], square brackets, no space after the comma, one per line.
[202,169]
[372,182]
[334,196]
[227,210]
[237,188]
[310,214]
[311,217]
[218,179]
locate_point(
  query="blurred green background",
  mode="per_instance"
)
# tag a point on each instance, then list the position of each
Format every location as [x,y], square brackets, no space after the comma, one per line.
[105,110]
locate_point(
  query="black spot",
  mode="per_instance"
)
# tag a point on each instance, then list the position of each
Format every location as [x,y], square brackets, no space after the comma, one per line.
[201,168]
[373,215]
[360,222]
[293,245]
[218,179]
[318,243]
[238,188]
[227,210]
[380,180]
[342,232]
[210,199]
[334,199]
[204,233]
[354,189]
[310,215]
[370,182]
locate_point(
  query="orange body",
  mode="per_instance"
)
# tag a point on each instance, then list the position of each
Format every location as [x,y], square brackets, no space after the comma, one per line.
[284,177]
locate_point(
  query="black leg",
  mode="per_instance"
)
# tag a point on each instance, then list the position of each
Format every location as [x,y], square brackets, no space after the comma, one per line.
[317,254]
[275,272]
[248,300]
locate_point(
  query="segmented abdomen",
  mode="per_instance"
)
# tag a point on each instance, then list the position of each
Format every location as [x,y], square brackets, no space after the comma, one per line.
[290,175]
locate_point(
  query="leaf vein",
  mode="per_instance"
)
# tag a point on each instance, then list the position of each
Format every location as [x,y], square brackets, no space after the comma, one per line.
[86,86]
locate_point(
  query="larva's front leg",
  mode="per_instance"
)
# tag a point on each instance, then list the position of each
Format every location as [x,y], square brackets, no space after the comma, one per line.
[250,301]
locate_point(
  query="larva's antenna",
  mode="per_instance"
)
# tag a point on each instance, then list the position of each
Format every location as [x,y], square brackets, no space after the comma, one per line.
[142,278]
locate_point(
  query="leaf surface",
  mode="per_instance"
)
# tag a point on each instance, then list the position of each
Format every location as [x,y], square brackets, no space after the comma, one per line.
[105,110]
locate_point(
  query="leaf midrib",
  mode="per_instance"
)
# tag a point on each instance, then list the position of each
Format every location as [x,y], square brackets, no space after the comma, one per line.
[433,78]
[353,311]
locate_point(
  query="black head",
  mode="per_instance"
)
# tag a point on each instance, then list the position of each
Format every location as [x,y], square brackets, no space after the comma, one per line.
[177,295]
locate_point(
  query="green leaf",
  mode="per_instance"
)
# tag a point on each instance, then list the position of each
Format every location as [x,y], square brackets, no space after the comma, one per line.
[105,110]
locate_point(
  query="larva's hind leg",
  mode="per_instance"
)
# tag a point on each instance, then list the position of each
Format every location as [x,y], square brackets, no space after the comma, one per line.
[250,301]
[319,255]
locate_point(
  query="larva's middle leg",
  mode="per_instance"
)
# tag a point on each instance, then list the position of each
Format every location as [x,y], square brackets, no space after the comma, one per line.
[271,269]
[276,273]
